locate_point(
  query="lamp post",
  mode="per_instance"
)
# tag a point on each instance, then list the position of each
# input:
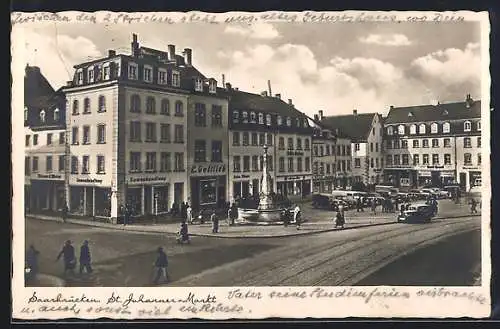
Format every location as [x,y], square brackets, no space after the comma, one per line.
[155,200]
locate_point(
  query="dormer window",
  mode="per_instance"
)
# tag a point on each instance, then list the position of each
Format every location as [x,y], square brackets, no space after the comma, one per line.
[198,85]
[148,73]
[261,118]
[42,116]
[25,113]
[434,128]
[79,77]
[56,115]
[446,127]
[106,72]
[162,76]
[268,119]
[245,117]
[289,122]
[90,72]
[421,129]
[280,120]
[98,73]
[390,131]
[176,80]
[253,117]
[410,114]
[132,71]
[212,86]
[467,126]
[401,130]
[306,123]
[299,123]
[236,117]
[413,129]
[478,126]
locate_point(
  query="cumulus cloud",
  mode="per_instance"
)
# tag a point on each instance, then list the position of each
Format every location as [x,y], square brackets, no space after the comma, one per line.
[255,31]
[393,40]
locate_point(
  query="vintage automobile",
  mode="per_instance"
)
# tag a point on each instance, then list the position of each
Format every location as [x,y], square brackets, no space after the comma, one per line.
[416,212]
[328,202]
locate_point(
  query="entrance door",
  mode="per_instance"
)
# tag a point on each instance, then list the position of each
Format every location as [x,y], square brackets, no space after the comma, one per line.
[463,180]
[245,186]
[435,178]
[178,193]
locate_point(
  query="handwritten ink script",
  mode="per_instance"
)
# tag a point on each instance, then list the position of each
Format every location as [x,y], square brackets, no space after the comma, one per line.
[233,303]
[231,18]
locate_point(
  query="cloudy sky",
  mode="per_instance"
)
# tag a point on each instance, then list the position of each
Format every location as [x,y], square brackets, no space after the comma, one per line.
[332,67]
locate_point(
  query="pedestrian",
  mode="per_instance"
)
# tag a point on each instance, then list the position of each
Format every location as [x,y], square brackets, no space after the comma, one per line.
[161,267]
[85,258]
[297,216]
[31,263]
[64,212]
[473,205]
[189,214]
[339,220]
[68,253]
[374,206]
[215,222]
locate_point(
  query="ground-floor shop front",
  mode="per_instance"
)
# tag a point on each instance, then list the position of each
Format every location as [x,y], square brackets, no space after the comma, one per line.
[44,195]
[323,185]
[413,178]
[245,186]
[209,192]
[469,177]
[294,186]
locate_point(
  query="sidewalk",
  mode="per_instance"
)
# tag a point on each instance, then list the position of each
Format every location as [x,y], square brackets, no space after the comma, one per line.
[447,209]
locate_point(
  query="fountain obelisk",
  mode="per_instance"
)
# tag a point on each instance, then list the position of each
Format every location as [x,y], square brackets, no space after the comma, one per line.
[265,200]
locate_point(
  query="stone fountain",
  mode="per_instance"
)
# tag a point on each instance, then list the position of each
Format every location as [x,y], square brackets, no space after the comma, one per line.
[267,211]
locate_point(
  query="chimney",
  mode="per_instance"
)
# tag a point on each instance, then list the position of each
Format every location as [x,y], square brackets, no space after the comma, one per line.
[135,45]
[223,80]
[236,89]
[269,87]
[320,115]
[316,117]
[188,54]
[264,93]
[111,53]
[171,53]
[278,96]
[391,107]
[69,83]
[290,102]
[355,112]
[228,86]
[468,101]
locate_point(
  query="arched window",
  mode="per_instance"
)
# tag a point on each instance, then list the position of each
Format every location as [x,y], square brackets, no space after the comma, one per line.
[306,123]
[75,107]
[236,117]
[467,126]
[165,106]
[261,118]
[268,119]
[306,144]
[446,127]
[135,103]
[413,129]
[102,104]
[179,108]
[86,105]
[421,129]
[245,117]
[289,121]
[434,128]
[389,130]
[401,130]
[42,116]
[150,105]
[280,120]
[56,115]
[478,126]
[253,117]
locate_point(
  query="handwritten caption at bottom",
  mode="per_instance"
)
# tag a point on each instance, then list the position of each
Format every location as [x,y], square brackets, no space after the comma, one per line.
[235,303]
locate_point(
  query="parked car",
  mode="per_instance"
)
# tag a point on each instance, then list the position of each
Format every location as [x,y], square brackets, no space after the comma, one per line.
[416,212]
[322,201]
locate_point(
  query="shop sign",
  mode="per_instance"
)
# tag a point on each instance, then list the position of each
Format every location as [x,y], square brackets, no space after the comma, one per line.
[447,174]
[208,169]
[147,179]
[89,180]
[291,153]
[241,176]
[435,167]
[471,168]
[424,173]
[49,176]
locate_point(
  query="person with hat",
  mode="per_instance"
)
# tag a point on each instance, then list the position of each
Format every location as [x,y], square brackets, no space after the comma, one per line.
[68,253]
[85,257]
[161,264]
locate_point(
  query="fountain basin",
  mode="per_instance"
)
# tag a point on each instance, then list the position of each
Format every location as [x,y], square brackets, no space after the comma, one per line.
[259,216]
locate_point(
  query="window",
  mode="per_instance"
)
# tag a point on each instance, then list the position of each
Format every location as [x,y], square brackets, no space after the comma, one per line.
[269,139]
[165,107]
[216,151]
[150,105]
[435,142]
[56,115]
[478,126]
[212,87]
[279,120]
[467,142]
[434,128]
[290,164]
[236,138]
[416,159]
[135,131]
[62,162]
[307,147]
[401,130]
[255,163]
[85,164]
[446,142]
[135,161]
[261,118]
[421,129]
[245,117]
[27,140]
[315,150]
[446,127]
[86,135]
[253,117]
[467,126]
[179,109]
[48,163]
[413,129]
[132,71]
[467,159]
[338,150]
[397,159]
[245,138]
[404,144]
[268,119]
[371,147]
[176,81]
[290,143]
[262,139]
[299,164]
[357,163]
[389,144]
[74,165]
[236,163]
[299,144]
[42,116]
[198,84]
[100,164]
[289,121]
[270,163]
[148,73]
[376,147]
[90,73]
[348,167]
[281,164]
[200,151]
[416,143]
[479,159]
[35,139]
[106,72]
[150,161]
[356,147]
[150,132]
[321,150]
[307,162]
[390,131]
[74,136]
[135,104]
[86,106]
[425,159]
[236,117]
[101,104]
[179,161]
[179,134]
[246,163]
[165,133]
[216,116]
[79,77]
[435,159]
[447,159]
[162,77]
[397,144]
[281,143]
[76,110]
[479,142]
[389,160]
[254,139]
[165,162]
[405,158]
[372,163]
[49,139]
[425,143]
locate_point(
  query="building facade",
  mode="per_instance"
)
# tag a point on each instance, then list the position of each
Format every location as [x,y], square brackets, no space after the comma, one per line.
[434,145]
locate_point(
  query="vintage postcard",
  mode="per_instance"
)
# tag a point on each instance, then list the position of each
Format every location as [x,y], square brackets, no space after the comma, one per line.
[250,165]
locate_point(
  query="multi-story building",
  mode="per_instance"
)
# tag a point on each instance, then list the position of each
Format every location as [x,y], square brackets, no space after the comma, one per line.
[127,131]
[258,120]
[434,145]
[365,151]
[44,123]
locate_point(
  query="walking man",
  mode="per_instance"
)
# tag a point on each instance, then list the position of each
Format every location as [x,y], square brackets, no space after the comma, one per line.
[68,253]
[215,222]
[296,216]
[189,214]
[64,213]
[161,265]
[374,206]
[85,258]
[473,205]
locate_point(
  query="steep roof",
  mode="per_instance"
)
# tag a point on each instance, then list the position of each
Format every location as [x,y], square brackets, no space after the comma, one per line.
[38,93]
[355,126]
[426,113]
